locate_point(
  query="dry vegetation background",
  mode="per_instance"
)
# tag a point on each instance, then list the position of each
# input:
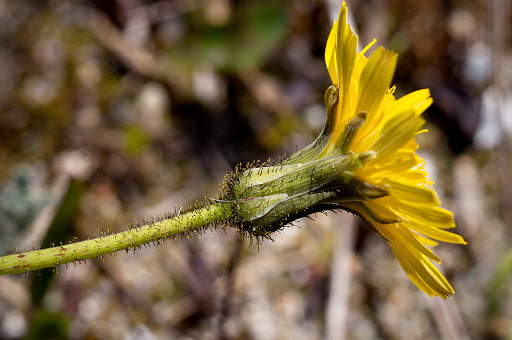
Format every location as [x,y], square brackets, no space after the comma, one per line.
[116,111]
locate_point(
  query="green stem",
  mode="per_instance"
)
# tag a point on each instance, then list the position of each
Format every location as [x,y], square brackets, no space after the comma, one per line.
[178,225]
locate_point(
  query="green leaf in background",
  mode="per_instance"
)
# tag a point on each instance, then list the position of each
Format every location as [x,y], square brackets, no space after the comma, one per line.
[58,231]
[135,140]
[18,207]
[244,42]
[499,288]
[47,325]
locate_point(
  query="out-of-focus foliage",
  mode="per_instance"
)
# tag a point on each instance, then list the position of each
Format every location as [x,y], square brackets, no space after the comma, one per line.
[243,42]
[18,208]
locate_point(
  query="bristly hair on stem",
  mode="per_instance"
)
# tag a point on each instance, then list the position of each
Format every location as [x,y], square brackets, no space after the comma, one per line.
[183,224]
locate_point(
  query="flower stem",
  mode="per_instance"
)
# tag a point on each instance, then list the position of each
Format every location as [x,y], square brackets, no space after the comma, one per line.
[181,224]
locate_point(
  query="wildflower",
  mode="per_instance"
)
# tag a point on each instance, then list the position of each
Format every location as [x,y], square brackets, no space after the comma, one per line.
[364,161]
[411,210]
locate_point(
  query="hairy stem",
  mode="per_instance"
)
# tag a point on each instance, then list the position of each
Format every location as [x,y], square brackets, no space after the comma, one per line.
[178,225]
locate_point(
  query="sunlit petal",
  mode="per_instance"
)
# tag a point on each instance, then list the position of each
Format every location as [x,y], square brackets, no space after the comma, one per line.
[410,216]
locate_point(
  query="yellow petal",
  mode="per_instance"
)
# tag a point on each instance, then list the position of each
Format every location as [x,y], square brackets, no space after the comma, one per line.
[412,193]
[340,51]
[417,101]
[330,55]
[434,232]
[412,240]
[346,42]
[417,266]
[396,132]
[401,161]
[426,241]
[426,213]
[375,80]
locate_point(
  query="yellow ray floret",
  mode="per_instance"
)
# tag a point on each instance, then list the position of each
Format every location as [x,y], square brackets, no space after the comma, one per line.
[410,216]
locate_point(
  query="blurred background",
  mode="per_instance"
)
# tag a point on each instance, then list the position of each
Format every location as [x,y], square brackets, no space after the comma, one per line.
[112,112]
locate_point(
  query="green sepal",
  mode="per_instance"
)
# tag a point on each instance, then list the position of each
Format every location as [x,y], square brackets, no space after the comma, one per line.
[286,211]
[311,152]
[252,208]
[292,180]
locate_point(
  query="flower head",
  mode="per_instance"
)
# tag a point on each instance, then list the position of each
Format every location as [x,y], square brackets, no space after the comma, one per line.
[364,161]
[409,217]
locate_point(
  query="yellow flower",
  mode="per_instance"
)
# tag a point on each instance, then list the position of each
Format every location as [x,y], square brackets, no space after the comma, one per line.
[364,161]
[409,217]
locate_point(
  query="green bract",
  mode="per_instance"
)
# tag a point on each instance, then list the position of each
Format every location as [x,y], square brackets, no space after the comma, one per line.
[266,198]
